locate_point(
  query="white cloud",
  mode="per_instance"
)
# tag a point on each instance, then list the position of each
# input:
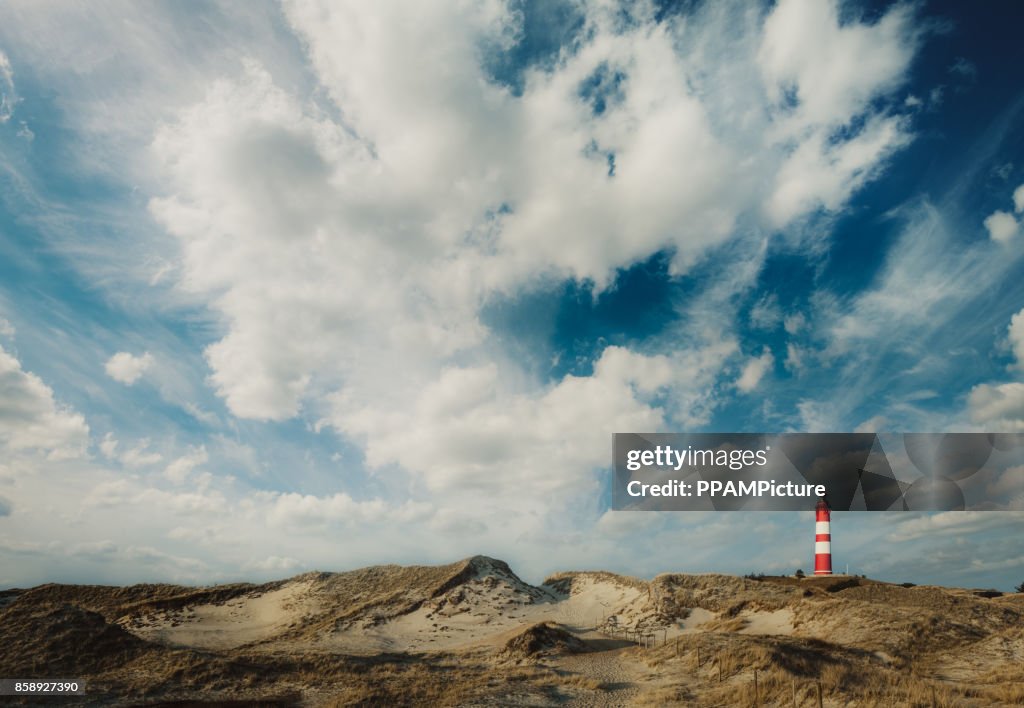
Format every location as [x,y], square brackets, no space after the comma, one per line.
[347,250]
[1015,334]
[467,432]
[30,417]
[356,257]
[795,357]
[821,173]
[999,407]
[952,523]
[794,323]
[127,368]
[291,510]
[820,74]
[108,446]
[8,98]
[873,424]
[276,565]
[766,313]
[180,469]
[914,326]
[140,456]
[1002,226]
[754,370]
[833,70]
[818,417]
[927,275]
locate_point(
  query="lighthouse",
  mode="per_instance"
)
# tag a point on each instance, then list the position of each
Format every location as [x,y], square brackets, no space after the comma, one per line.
[822,540]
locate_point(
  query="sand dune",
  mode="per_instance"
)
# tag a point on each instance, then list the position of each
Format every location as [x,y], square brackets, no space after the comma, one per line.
[474,633]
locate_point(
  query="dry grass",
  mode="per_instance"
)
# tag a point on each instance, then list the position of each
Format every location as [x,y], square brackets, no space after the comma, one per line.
[788,670]
[725,624]
[719,593]
[886,645]
[673,694]
[563,582]
[541,639]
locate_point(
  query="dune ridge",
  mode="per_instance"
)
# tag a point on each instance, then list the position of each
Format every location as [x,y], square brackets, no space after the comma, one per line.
[474,633]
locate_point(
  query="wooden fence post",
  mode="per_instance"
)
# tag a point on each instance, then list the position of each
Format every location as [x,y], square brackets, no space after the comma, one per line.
[820,704]
[757,699]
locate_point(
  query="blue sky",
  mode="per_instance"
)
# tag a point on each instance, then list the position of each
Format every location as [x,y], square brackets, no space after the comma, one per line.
[303,285]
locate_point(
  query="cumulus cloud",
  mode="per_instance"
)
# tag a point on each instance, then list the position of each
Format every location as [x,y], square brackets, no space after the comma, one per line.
[349,262]
[127,368]
[820,74]
[1015,334]
[1002,226]
[108,446]
[140,455]
[181,468]
[823,174]
[999,407]
[754,370]
[31,418]
[832,70]
[346,238]
[467,432]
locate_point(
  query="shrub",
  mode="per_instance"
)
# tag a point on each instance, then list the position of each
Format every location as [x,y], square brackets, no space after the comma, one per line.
[799,573]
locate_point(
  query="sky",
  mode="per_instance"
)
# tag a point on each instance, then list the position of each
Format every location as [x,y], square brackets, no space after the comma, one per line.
[320,285]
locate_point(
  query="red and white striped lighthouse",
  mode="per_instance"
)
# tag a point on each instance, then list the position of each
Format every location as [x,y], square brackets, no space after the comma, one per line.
[822,540]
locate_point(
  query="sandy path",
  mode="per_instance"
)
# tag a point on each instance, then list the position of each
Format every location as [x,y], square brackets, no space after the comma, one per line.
[618,674]
[618,667]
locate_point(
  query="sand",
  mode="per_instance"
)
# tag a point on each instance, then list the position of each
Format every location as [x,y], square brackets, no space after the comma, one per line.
[228,625]
[377,635]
